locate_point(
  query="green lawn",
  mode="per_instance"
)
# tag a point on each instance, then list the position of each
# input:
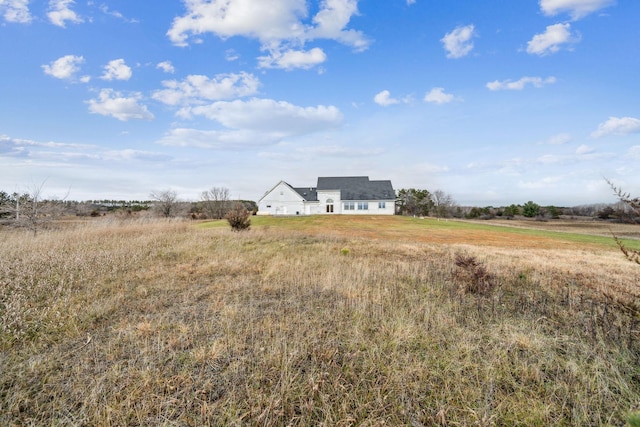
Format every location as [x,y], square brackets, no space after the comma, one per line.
[401,227]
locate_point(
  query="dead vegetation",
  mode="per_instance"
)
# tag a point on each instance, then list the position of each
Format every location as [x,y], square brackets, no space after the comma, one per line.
[160,323]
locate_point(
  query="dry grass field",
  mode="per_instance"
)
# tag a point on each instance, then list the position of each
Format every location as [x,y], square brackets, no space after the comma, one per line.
[316,321]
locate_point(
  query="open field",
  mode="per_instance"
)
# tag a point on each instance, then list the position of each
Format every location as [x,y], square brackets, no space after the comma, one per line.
[316,321]
[501,233]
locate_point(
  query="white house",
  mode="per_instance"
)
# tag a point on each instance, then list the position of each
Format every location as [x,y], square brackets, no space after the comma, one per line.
[349,195]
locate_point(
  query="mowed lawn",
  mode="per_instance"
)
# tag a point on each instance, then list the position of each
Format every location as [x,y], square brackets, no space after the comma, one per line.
[517,234]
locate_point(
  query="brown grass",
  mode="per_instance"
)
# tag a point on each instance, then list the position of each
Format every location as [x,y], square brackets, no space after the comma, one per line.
[161,323]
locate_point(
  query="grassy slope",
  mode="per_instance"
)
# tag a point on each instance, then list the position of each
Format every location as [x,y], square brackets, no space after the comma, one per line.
[298,323]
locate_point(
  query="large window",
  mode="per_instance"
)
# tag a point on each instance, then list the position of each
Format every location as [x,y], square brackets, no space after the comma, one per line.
[349,206]
[329,205]
[382,205]
[363,206]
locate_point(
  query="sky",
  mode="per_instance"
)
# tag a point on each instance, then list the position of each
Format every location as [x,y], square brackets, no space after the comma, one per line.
[494,102]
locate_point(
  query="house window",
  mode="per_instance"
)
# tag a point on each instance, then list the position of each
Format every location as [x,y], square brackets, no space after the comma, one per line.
[349,206]
[363,206]
[382,205]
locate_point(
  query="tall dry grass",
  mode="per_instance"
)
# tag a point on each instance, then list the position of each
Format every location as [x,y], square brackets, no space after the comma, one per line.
[158,323]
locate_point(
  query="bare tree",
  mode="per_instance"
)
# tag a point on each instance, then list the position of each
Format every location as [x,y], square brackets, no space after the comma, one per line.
[632,255]
[166,202]
[30,209]
[442,203]
[216,202]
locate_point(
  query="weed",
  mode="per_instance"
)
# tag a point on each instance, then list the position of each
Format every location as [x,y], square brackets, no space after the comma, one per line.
[473,274]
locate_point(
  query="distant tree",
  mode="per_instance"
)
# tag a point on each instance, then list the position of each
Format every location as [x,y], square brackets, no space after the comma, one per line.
[511,211]
[6,204]
[553,211]
[443,203]
[216,202]
[166,202]
[530,209]
[414,202]
[606,213]
[238,217]
[30,209]
[474,212]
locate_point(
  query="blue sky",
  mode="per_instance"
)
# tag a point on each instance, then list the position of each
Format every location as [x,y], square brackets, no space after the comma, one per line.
[494,101]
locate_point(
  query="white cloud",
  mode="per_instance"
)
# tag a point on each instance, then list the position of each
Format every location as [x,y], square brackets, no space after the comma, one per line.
[584,149]
[520,84]
[548,159]
[576,8]
[551,40]
[65,67]
[231,55]
[559,139]
[547,182]
[384,98]
[331,21]
[219,140]
[458,42]
[275,24]
[15,11]
[114,104]
[116,70]
[410,2]
[60,12]
[105,9]
[166,66]
[129,154]
[617,126]
[291,59]
[437,95]
[268,115]
[197,89]
[266,21]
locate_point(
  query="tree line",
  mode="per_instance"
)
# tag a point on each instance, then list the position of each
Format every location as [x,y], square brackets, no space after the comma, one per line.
[30,209]
[422,202]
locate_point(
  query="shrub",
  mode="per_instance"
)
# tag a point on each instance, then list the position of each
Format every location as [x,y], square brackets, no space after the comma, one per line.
[238,218]
[474,276]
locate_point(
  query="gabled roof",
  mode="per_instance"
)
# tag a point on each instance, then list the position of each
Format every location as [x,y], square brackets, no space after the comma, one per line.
[274,187]
[358,188]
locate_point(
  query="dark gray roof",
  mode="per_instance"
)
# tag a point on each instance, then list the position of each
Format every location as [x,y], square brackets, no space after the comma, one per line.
[358,188]
[308,193]
[351,188]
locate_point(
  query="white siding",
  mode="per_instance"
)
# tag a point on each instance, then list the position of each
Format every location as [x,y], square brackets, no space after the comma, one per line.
[326,197]
[372,207]
[281,200]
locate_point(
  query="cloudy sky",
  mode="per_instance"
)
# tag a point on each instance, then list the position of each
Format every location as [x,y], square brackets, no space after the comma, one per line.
[493,101]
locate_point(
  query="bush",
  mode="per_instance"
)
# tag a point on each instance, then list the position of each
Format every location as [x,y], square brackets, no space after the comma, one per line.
[238,218]
[474,276]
